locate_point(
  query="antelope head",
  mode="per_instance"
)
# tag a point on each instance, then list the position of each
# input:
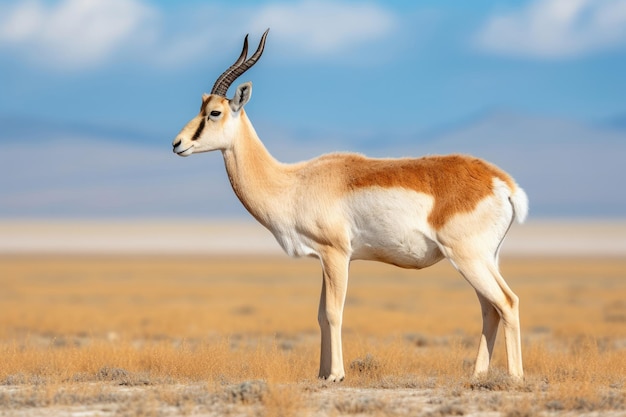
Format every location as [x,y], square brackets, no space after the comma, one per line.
[218,121]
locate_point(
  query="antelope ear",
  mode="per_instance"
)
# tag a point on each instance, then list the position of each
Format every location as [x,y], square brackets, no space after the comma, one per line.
[242,96]
[204,98]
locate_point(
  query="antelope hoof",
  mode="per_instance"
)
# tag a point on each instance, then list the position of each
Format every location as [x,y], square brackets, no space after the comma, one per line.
[332,378]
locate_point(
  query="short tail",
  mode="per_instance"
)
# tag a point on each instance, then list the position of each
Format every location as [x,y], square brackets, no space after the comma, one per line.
[519,201]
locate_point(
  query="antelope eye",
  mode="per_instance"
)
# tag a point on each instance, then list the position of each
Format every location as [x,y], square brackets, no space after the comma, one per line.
[215,113]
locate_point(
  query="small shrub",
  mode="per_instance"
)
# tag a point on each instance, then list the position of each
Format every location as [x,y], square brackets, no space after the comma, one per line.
[120,376]
[366,365]
[248,392]
[359,405]
[496,380]
[555,405]
[22,379]
[446,410]
[15,379]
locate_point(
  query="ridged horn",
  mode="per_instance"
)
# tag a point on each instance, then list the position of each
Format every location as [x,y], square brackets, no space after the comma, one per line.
[242,57]
[239,67]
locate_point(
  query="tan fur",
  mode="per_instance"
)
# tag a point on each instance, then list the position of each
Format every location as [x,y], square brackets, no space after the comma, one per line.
[344,206]
[264,175]
[457,182]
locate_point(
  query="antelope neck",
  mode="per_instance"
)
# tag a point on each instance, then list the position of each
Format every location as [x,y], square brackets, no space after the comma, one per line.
[258,179]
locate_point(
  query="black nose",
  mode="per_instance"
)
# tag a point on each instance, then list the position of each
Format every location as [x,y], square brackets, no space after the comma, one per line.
[177,143]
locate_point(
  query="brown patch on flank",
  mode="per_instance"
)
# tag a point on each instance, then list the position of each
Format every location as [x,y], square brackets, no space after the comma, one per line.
[457,182]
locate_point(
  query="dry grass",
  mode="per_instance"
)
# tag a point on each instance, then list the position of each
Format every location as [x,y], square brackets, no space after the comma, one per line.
[165,336]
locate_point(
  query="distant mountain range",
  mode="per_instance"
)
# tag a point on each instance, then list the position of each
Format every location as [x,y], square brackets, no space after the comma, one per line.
[54,170]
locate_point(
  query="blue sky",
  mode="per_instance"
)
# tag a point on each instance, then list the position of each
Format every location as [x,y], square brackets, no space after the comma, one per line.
[403,66]
[353,74]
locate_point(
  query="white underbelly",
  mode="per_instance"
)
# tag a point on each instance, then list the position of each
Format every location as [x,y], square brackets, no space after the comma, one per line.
[390,225]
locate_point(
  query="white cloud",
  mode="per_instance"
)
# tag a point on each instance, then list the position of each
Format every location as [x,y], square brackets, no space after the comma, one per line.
[72,34]
[556,28]
[83,34]
[324,28]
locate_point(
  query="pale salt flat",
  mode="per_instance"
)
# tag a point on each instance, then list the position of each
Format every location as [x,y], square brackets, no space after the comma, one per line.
[228,237]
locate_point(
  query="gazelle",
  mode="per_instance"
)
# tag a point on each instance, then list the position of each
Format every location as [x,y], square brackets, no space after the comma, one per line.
[343,206]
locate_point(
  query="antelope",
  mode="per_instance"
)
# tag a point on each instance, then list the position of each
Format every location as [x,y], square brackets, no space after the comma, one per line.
[339,207]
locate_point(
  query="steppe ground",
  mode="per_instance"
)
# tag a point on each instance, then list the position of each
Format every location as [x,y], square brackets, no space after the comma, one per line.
[209,336]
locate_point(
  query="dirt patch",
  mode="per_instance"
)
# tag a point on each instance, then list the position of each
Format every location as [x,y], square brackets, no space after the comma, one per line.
[255,398]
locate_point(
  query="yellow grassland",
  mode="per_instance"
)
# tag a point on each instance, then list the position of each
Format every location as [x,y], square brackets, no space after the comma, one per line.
[84,325]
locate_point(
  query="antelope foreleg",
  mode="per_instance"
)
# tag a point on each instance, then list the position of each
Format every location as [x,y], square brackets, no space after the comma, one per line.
[330,315]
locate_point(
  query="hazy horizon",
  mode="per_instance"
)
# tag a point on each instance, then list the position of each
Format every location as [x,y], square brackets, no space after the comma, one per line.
[569,169]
